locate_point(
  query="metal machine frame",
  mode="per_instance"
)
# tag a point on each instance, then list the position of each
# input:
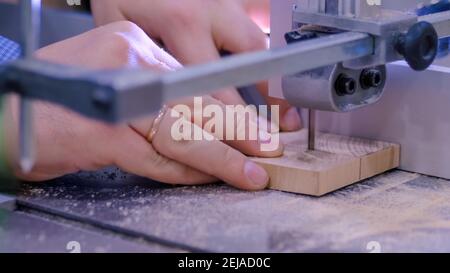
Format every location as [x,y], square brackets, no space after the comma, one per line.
[411,112]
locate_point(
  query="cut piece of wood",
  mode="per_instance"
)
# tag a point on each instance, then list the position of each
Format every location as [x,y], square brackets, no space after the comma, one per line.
[337,162]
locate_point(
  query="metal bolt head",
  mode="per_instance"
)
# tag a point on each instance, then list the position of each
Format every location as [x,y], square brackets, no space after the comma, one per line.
[345,85]
[371,78]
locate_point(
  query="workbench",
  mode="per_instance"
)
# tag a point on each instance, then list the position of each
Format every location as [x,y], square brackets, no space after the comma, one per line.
[110,211]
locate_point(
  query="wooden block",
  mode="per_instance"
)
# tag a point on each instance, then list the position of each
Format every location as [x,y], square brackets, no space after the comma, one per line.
[339,161]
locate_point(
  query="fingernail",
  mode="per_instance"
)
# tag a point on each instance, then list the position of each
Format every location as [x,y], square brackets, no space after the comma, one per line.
[291,120]
[256,174]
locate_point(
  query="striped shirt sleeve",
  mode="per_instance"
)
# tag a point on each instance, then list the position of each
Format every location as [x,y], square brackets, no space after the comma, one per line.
[9,50]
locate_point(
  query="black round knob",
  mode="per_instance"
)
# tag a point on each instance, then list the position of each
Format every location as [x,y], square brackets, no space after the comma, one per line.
[419,46]
[345,85]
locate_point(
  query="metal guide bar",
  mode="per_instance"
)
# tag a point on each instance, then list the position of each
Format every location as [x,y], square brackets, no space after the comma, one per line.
[241,70]
[52,82]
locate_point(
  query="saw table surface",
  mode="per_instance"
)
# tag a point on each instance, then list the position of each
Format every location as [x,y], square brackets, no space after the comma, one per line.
[396,211]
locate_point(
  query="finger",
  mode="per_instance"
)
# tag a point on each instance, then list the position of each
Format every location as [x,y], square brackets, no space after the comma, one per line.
[164,57]
[146,47]
[195,46]
[259,11]
[142,49]
[248,37]
[133,154]
[238,128]
[289,117]
[206,154]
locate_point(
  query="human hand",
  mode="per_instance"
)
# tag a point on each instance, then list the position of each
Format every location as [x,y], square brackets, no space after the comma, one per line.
[195,31]
[67,142]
